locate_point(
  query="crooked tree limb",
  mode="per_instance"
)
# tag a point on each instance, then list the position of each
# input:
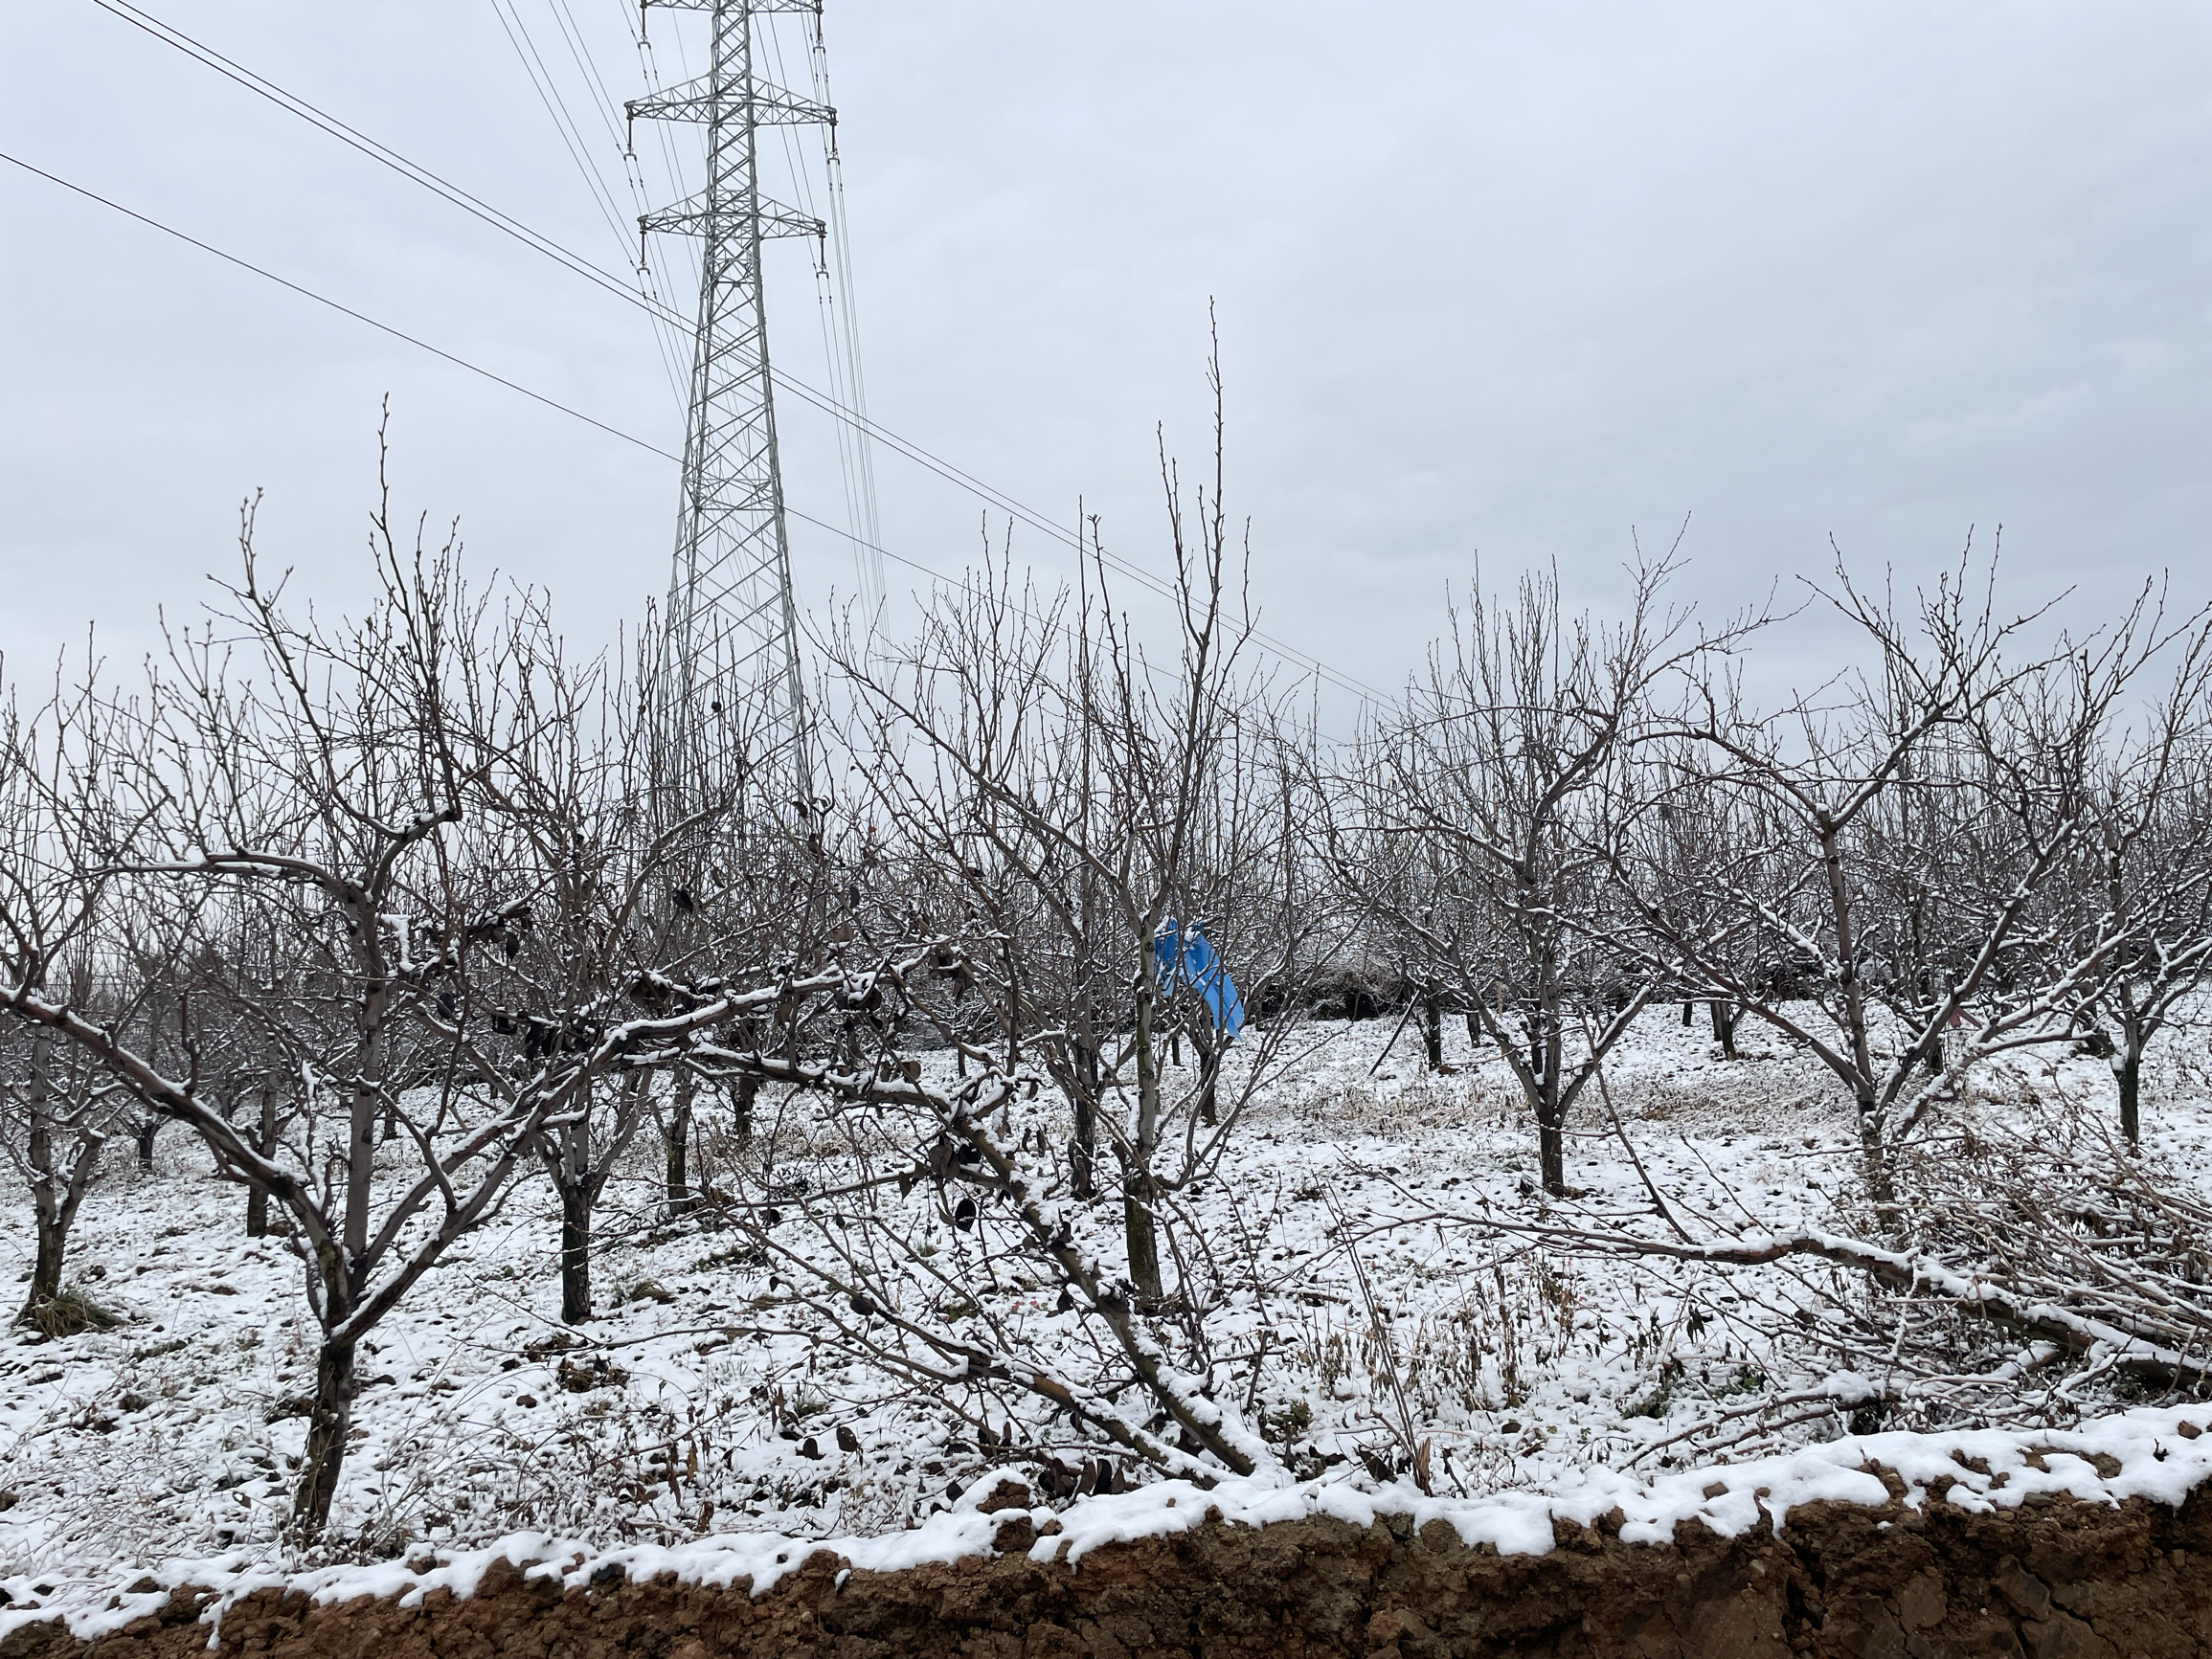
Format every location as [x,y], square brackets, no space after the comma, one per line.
[2137,1350]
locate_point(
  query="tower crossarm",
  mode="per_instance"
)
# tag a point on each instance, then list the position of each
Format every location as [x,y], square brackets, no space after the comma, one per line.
[703,212]
[757,7]
[700,99]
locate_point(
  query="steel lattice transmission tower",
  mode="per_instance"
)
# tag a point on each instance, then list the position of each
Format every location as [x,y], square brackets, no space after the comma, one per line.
[732,710]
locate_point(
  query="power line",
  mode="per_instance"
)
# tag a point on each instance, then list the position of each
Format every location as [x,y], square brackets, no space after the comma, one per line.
[547,89]
[556,107]
[656,255]
[382,154]
[580,50]
[936,577]
[335,305]
[171,35]
[422,345]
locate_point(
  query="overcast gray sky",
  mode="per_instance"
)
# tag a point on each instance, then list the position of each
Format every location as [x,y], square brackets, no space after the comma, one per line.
[1513,281]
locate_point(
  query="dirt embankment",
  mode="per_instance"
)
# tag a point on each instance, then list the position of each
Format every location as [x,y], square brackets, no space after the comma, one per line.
[2052,1579]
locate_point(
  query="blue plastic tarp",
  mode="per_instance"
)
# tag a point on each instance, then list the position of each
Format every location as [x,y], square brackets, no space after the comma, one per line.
[1184,956]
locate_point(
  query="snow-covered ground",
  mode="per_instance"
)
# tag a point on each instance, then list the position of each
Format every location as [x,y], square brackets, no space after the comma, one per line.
[1362,1314]
[2161,1455]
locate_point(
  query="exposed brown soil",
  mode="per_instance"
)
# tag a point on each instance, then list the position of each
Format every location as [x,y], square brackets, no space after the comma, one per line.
[2052,1579]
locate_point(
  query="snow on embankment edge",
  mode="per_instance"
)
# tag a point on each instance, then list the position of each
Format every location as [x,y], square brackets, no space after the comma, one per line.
[2161,1455]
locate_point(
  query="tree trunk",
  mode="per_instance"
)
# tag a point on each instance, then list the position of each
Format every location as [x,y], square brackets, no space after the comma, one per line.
[1474,1029]
[367,1102]
[747,1091]
[1085,1144]
[1880,1186]
[1209,1046]
[2127,1070]
[1550,1118]
[1853,1017]
[55,1215]
[46,1270]
[264,1143]
[146,1133]
[1136,1220]
[47,1209]
[575,1254]
[1725,1015]
[678,1141]
[1083,1148]
[1083,1151]
[1432,1028]
[1686,1007]
[327,1422]
[1551,1154]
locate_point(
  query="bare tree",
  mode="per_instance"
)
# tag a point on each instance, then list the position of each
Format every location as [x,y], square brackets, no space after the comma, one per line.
[56,1130]
[1093,801]
[1692,828]
[60,1115]
[925,1163]
[1887,850]
[2145,875]
[358,793]
[1476,823]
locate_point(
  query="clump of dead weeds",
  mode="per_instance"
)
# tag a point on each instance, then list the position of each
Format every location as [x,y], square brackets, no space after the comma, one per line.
[68,1312]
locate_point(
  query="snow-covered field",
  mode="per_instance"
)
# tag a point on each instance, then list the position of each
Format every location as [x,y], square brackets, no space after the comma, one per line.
[1361,1313]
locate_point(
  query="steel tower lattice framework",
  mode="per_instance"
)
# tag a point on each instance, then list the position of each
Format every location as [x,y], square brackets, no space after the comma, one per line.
[732,710]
